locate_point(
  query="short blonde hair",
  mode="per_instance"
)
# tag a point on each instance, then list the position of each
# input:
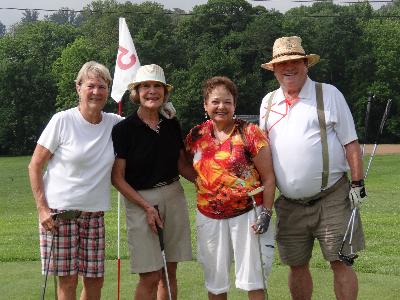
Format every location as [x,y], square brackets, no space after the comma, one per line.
[96,69]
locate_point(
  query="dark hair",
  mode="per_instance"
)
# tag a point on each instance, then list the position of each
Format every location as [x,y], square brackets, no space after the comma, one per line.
[210,84]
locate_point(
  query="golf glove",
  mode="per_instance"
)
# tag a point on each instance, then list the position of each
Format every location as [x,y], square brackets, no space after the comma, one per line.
[357,194]
[263,219]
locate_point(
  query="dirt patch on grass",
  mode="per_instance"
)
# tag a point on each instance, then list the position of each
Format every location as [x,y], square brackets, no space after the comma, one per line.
[383,149]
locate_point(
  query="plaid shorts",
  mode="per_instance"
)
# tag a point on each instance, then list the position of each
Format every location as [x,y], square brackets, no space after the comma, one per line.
[78,248]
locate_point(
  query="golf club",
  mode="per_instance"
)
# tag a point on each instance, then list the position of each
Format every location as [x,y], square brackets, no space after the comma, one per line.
[349,259]
[252,194]
[161,239]
[64,215]
[383,121]
[47,269]
[366,123]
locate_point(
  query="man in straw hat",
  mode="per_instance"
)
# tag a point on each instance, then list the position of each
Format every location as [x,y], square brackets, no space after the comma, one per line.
[314,144]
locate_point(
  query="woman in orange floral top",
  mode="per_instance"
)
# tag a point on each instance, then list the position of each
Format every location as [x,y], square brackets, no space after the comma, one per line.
[232,158]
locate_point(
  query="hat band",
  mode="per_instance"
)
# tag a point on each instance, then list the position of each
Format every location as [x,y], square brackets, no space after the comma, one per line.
[288,53]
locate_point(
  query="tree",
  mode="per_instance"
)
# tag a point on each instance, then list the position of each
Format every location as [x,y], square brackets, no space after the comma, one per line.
[66,68]
[3,29]
[65,16]
[27,89]
[383,36]
[30,16]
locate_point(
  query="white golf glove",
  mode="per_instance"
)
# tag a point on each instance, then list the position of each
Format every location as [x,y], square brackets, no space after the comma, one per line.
[357,194]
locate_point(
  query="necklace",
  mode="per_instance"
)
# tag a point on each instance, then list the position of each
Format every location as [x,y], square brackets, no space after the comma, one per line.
[153,127]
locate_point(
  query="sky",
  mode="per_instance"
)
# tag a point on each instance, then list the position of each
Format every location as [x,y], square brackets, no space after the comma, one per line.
[9,17]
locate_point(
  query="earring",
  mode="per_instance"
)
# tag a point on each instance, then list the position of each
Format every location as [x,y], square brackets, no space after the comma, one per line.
[205,115]
[234,116]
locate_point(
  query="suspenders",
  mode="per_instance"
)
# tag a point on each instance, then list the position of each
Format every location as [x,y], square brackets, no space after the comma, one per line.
[322,128]
[324,139]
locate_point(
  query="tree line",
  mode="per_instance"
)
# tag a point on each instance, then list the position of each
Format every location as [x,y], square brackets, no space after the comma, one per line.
[39,59]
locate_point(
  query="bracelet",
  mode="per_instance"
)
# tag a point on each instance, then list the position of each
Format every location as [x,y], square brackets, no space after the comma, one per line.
[266,211]
[357,183]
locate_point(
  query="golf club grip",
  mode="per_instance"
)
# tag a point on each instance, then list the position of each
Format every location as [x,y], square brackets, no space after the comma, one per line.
[384,117]
[159,231]
[367,117]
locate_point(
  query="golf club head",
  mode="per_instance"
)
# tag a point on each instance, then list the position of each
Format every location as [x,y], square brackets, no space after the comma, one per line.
[349,259]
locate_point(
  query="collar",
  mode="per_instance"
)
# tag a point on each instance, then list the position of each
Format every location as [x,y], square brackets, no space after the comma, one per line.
[137,121]
[305,93]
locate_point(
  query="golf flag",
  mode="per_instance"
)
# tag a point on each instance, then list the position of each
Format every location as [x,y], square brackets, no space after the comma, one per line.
[127,62]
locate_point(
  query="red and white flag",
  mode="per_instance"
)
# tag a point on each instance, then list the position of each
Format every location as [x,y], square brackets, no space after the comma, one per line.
[127,62]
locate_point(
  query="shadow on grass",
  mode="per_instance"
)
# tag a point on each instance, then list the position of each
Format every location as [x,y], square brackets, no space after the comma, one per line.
[22,280]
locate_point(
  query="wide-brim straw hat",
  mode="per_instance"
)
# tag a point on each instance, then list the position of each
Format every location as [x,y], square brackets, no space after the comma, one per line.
[289,48]
[149,73]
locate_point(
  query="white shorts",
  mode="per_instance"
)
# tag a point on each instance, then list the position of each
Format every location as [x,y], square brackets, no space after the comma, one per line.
[219,241]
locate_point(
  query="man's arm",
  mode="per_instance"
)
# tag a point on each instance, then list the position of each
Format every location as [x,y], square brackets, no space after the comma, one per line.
[357,193]
[353,156]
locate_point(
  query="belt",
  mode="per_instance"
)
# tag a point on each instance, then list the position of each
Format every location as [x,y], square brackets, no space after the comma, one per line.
[166,182]
[74,214]
[308,201]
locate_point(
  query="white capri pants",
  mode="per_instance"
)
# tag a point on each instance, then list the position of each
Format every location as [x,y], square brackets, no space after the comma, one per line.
[219,241]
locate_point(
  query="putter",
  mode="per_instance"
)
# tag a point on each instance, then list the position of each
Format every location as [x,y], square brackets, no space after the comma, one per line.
[349,259]
[161,239]
[251,194]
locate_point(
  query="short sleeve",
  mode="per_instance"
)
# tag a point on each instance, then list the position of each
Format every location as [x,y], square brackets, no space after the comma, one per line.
[120,141]
[51,135]
[256,139]
[343,119]
[178,129]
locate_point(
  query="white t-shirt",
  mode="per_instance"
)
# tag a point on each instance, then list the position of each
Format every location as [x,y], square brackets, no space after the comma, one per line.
[295,138]
[78,175]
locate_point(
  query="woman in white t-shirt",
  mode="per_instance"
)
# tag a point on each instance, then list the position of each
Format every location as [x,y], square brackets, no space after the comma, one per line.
[73,193]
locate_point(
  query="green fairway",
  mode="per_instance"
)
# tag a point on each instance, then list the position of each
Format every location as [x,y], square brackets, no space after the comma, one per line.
[378,266]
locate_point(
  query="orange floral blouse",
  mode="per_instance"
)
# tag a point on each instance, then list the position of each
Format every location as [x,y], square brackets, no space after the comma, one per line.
[226,170]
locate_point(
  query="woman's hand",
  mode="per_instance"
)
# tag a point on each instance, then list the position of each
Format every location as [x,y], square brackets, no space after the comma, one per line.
[47,220]
[153,218]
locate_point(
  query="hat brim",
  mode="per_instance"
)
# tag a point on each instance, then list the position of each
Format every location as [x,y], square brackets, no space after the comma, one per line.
[133,85]
[312,60]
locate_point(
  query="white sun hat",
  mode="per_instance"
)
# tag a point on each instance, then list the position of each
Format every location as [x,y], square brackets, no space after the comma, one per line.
[149,73]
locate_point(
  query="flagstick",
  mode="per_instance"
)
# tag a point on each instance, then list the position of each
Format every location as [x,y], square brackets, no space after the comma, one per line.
[119,259]
[127,63]
[119,227]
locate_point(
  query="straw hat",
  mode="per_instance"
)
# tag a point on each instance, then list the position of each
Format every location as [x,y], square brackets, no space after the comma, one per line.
[289,48]
[149,73]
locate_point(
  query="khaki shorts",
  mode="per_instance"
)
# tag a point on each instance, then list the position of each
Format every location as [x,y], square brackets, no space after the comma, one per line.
[326,220]
[143,243]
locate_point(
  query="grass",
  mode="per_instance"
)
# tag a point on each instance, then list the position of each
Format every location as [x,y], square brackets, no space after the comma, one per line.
[377,267]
